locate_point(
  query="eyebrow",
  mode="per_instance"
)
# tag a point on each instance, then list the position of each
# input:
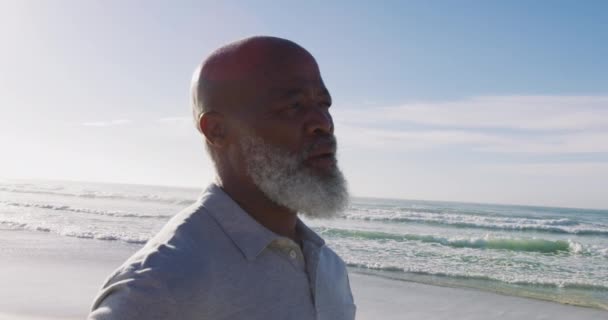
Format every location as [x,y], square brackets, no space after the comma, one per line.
[287,93]
[290,93]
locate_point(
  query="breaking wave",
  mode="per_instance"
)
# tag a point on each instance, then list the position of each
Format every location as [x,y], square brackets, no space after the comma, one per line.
[556,225]
[109,213]
[103,195]
[75,233]
[487,242]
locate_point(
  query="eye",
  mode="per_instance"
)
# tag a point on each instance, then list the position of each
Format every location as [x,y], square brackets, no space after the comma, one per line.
[291,109]
[295,105]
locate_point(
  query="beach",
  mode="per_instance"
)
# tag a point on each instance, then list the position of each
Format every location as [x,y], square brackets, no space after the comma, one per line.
[452,157]
[47,276]
[60,240]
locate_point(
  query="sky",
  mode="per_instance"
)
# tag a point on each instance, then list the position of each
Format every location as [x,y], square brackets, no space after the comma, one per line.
[476,101]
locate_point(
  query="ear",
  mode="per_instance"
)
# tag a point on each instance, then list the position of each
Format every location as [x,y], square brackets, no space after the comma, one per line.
[213,126]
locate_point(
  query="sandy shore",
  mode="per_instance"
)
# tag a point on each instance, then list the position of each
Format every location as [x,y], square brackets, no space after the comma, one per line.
[45,276]
[53,277]
[389,299]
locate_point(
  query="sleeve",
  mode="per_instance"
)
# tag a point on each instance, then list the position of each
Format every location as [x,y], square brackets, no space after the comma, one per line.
[134,295]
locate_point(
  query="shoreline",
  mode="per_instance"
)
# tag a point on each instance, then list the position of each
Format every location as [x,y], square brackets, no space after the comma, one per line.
[581,300]
[47,276]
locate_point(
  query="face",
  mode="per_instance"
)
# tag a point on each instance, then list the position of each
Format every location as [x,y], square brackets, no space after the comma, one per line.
[287,141]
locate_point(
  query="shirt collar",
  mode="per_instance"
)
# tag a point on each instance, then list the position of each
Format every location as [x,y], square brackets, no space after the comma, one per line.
[246,233]
[306,234]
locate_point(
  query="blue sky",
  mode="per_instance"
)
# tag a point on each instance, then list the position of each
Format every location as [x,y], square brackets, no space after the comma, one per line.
[484,101]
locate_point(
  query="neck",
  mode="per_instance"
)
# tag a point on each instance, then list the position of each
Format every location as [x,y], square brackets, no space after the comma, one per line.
[250,198]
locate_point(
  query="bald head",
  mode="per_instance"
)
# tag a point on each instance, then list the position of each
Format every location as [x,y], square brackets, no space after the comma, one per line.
[263,109]
[232,76]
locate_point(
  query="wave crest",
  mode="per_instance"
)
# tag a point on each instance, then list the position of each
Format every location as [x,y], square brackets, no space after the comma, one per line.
[110,213]
[76,233]
[559,225]
[91,194]
[486,242]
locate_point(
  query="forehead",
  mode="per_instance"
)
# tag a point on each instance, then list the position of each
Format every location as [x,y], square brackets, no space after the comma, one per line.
[291,64]
[289,76]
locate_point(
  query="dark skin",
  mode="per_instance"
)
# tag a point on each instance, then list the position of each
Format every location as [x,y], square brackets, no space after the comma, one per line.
[272,88]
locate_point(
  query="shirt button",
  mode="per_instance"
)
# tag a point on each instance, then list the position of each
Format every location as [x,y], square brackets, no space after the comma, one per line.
[292,254]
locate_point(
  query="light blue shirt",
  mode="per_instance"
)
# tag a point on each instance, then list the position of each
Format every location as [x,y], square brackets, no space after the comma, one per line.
[214,261]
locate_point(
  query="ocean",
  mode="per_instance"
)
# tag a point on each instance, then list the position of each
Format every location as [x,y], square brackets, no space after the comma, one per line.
[554,254]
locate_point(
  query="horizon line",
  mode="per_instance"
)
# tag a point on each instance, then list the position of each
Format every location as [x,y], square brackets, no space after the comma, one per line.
[200,188]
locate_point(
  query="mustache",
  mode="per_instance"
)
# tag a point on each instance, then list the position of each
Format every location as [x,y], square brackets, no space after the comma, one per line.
[328,143]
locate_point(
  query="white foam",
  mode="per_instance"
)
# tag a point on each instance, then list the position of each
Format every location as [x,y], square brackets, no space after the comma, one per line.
[109,213]
[91,194]
[559,225]
[72,231]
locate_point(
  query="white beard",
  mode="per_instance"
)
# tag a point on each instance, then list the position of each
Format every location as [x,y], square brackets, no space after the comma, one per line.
[282,177]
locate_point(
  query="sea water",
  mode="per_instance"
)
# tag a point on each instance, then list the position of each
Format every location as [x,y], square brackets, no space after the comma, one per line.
[555,254]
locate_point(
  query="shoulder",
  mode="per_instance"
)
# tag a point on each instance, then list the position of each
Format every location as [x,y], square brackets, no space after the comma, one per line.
[332,278]
[333,286]
[134,291]
[144,286]
[183,237]
[332,266]
[330,256]
[190,237]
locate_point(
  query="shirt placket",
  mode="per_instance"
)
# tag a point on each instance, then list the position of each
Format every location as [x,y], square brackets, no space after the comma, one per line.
[292,251]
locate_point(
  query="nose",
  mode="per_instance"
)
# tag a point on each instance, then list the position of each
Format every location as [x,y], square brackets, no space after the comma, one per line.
[320,121]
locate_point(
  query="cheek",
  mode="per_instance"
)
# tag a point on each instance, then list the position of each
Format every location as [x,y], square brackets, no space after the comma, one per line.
[236,159]
[290,142]
[286,135]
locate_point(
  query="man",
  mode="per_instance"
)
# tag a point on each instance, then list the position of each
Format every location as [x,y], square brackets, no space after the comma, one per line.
[241,252]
